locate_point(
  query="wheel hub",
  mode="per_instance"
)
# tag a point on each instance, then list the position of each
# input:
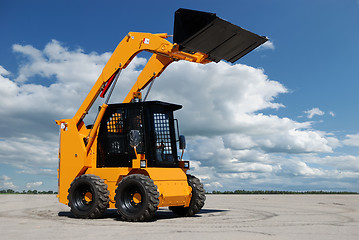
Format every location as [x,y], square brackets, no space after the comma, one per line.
[88,197]
[136,198]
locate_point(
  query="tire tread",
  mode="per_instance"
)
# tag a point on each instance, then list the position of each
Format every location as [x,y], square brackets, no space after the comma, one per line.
[197,201]
[101,188]
[153,198]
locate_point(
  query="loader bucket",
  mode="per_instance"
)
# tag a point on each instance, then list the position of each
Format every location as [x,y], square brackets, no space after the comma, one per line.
[196,31]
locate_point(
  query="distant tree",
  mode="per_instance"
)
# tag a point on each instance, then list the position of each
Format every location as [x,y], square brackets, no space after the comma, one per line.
[278,192]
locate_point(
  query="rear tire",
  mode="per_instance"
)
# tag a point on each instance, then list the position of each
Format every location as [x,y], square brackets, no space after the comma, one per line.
[197,200]
[137,198]
[88,196]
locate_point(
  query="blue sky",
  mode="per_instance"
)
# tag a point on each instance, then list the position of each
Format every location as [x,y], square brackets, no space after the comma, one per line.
[307,79]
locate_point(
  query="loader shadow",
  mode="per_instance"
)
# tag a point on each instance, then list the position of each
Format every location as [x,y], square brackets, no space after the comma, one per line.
[110,213]
[167,214]
[161,214]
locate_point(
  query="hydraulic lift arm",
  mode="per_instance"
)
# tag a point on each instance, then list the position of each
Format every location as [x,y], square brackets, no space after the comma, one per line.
[199,37]
[163,51]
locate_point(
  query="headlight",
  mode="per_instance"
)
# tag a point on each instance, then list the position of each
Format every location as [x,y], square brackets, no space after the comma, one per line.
[143,163]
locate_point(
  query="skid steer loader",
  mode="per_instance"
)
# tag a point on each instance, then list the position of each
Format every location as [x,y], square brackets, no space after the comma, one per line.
[128,159]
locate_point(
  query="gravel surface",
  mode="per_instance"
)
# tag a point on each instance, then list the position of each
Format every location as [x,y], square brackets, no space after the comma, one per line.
[224,216]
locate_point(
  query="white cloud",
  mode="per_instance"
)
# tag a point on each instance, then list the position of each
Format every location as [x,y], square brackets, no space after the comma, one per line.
[3,72]
[289,172]
[70,67]
[267,45]
[314,111]
[229,141]
[27,153]
[332,114]
[352,140]
[216,161]
[343,163]
[223,100]
[5,182]
[34,184]
[29,110]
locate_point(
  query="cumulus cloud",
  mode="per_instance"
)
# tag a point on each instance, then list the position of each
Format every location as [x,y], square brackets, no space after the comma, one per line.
[230,141]
[342,163]
[223,100]
[267,45]
[3,72]
[351,140]
[29,109]
[6,183]
[55,60]
[34,184]
[314,111]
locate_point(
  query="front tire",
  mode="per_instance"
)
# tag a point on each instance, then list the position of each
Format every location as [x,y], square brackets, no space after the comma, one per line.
[197,200]
[137,198]
[88,196]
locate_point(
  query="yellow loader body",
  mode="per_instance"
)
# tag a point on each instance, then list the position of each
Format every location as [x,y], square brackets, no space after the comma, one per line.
[128,158]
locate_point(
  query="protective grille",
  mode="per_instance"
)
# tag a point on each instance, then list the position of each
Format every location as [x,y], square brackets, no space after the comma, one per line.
[162,128]
[115,122]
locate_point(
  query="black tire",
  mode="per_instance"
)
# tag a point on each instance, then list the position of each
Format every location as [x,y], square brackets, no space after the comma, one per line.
[88,196]
[136,198]
[197,200]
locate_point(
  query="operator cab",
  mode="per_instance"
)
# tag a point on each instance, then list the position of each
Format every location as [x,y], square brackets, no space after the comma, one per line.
[156,125]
